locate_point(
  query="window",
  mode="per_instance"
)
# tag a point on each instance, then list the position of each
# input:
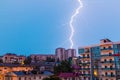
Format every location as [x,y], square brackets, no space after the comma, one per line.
[110,53]
[29,78]
[106,73]
[88,55]
[111,67]
[105,66]
[19,78]
[103,47]
[83,55]
[5,68]
[110,60]
[104,41]
[105,60]
[109,47]
[39,77]
[112,74]
[25,78]
[34,77]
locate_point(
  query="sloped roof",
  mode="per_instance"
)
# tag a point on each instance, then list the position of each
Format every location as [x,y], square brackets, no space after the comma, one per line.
[19,73]
[48,73]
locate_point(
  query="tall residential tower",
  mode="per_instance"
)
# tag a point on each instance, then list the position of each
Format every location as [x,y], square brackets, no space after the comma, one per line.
[98,62]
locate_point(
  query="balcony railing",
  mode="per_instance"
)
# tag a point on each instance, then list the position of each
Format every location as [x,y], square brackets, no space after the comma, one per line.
[106,55]
[85,74]
[108,68]
[106,49]
[84,63]
[107,61]
[108,76]
[87,51]
[85,69]
[86,57]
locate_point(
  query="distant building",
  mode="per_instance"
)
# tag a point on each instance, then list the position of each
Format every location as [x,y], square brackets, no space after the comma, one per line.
[41,57]
[63,54]
[70,53]
[60,54]
[98,62]
[13,58]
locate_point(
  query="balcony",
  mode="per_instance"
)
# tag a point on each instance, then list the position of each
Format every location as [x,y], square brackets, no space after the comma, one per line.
[107,62]
[87,51]
[107,55]
[106,49]
[108,68]
[85,57]
[85,69]
[85,74]
[108,76]
[84,63]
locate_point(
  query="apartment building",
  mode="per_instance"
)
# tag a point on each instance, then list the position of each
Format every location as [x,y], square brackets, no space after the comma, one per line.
[6,68]
[63,54]
[41,57]
[98,62]
[21,75]
[13,58]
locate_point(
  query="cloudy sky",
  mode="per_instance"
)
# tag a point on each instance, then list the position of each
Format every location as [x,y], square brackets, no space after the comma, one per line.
[41,26]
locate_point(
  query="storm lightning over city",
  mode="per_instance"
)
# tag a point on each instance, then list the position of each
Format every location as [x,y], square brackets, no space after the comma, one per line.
[77,10]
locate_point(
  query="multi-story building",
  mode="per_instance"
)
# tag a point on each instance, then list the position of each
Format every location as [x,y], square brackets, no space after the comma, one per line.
[41,57]
[98,61]
[70,53]
[60,54]
[63,54]
[5,68]
[13,58]
[22,75]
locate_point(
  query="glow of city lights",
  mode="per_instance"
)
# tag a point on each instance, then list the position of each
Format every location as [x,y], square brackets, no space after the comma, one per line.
[71,23]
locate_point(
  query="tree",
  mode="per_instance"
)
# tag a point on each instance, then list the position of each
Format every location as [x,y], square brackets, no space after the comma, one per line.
[52,78]
[65,66]
[28,60]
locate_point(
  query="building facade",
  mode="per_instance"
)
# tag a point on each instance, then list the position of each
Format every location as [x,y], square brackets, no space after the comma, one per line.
[98,61]
[63,54]
[41,57]
[6,68]
[60,54]
[13,58]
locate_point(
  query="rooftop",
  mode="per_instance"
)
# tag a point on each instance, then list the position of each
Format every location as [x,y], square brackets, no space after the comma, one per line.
[66,75]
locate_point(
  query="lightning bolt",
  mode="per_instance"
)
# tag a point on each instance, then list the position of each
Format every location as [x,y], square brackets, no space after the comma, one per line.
[71,23]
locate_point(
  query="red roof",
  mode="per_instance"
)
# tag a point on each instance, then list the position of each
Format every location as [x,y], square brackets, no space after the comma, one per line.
[116,54]
[66,75]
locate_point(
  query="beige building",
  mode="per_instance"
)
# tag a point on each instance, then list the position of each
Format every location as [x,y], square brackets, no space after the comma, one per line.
[13,58]
[41,57]
[108,69]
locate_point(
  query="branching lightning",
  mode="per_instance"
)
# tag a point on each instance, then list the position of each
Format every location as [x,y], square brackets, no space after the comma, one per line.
[71,23]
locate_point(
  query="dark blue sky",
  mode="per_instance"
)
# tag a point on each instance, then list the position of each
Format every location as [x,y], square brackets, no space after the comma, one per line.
[40,26]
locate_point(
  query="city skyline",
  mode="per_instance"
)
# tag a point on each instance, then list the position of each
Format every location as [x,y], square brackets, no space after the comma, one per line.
[28,27]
